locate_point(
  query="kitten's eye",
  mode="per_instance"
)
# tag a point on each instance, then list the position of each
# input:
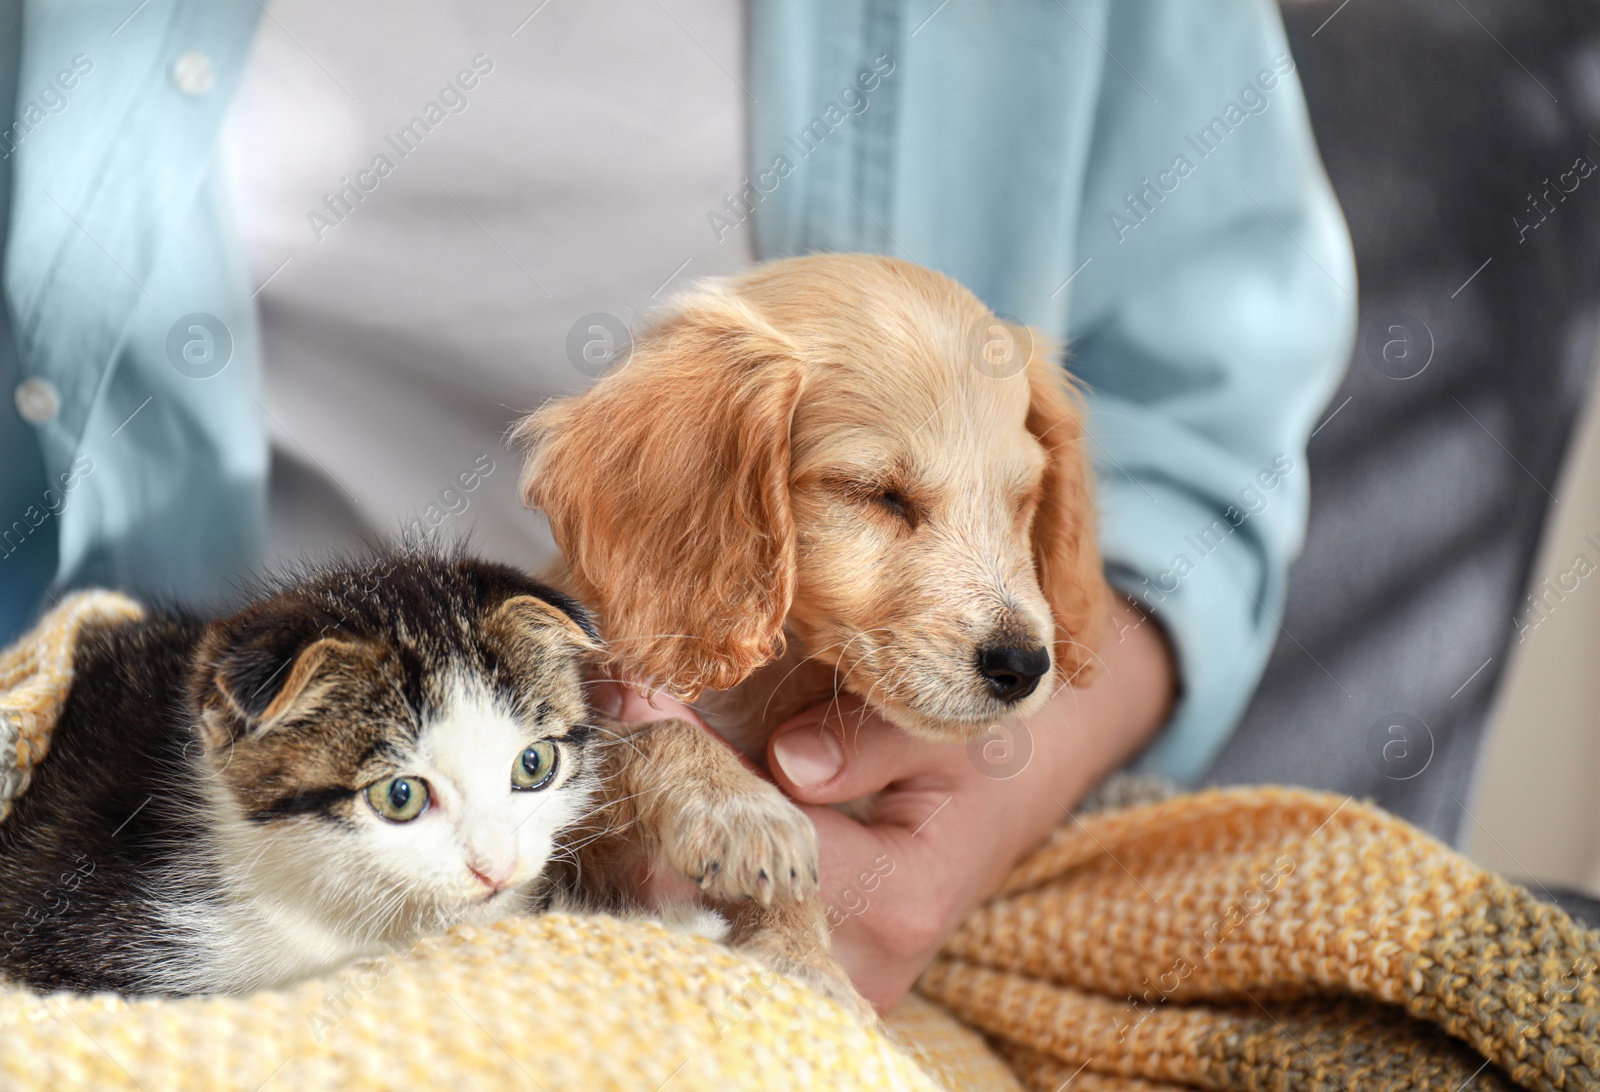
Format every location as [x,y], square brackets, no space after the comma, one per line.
[399,799]
[535,768]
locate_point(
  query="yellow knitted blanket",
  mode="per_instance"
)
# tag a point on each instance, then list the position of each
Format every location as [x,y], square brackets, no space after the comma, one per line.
[1256,939]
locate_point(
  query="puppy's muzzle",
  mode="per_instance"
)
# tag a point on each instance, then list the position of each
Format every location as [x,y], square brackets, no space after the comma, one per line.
[1012,672]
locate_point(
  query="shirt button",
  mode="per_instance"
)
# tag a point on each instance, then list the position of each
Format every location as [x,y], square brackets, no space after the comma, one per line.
[37,400]
[193,74]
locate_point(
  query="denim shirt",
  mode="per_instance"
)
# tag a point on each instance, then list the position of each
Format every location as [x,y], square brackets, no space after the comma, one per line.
[1136,178]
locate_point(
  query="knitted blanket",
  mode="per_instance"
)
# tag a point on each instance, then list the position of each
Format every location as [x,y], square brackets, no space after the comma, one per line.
[1253,938]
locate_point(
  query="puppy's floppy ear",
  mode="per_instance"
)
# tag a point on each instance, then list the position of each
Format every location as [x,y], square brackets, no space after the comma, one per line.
[1065,548]
[667,488]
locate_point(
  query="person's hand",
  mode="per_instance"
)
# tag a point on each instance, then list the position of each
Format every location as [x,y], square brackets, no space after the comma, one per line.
[622,702]
[947,824]
[627,704]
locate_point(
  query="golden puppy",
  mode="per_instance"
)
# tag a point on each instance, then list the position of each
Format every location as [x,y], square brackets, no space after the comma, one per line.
[820,477]
[836,473]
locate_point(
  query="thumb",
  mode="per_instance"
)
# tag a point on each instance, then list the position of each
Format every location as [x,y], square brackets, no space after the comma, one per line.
[837,752]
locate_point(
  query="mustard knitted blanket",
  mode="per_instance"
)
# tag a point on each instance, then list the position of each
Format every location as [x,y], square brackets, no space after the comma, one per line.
[1256,939]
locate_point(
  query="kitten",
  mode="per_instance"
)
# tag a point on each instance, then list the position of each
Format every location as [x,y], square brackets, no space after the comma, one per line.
[365,756]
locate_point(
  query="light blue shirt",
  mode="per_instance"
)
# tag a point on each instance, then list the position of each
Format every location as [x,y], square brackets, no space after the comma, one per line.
[1135,177]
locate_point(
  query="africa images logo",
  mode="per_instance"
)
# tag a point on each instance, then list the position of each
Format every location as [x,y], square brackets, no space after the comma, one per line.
[453,98]
[1139,204]
[852,101]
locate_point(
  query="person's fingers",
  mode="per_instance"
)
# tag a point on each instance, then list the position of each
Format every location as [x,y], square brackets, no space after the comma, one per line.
[844,845]
[879,905]
[623,702]
[841,751]
[659,885]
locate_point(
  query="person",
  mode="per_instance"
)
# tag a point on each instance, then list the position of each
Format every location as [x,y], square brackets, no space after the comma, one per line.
[349,243]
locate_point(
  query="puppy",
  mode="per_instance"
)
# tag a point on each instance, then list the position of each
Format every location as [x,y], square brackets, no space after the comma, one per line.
[819,477]
[834,474]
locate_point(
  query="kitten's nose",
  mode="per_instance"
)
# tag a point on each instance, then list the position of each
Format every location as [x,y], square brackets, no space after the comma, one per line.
[1013,672]
[491,852]
[494,875]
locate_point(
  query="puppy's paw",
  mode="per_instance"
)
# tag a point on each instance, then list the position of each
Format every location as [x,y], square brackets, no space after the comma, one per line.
[745,843]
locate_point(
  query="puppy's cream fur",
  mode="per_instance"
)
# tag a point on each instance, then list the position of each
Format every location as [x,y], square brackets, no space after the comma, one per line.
[807,480]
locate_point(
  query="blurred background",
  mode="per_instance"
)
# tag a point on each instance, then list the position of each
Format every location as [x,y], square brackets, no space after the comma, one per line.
[1444,599]
[1537,811]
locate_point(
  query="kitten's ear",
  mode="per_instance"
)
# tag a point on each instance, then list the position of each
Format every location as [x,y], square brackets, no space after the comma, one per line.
[526,617]
[256,669]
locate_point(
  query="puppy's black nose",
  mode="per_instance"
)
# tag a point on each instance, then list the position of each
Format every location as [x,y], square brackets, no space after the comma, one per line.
[1013,673]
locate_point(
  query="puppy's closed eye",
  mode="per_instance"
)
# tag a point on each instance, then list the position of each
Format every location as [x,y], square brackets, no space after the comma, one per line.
[886,498]
[896,503]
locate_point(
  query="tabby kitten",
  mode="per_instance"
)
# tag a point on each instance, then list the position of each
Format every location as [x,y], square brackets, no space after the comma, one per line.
[368,754]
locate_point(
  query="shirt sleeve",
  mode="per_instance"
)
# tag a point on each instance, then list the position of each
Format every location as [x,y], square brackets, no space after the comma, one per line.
[1210,324]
